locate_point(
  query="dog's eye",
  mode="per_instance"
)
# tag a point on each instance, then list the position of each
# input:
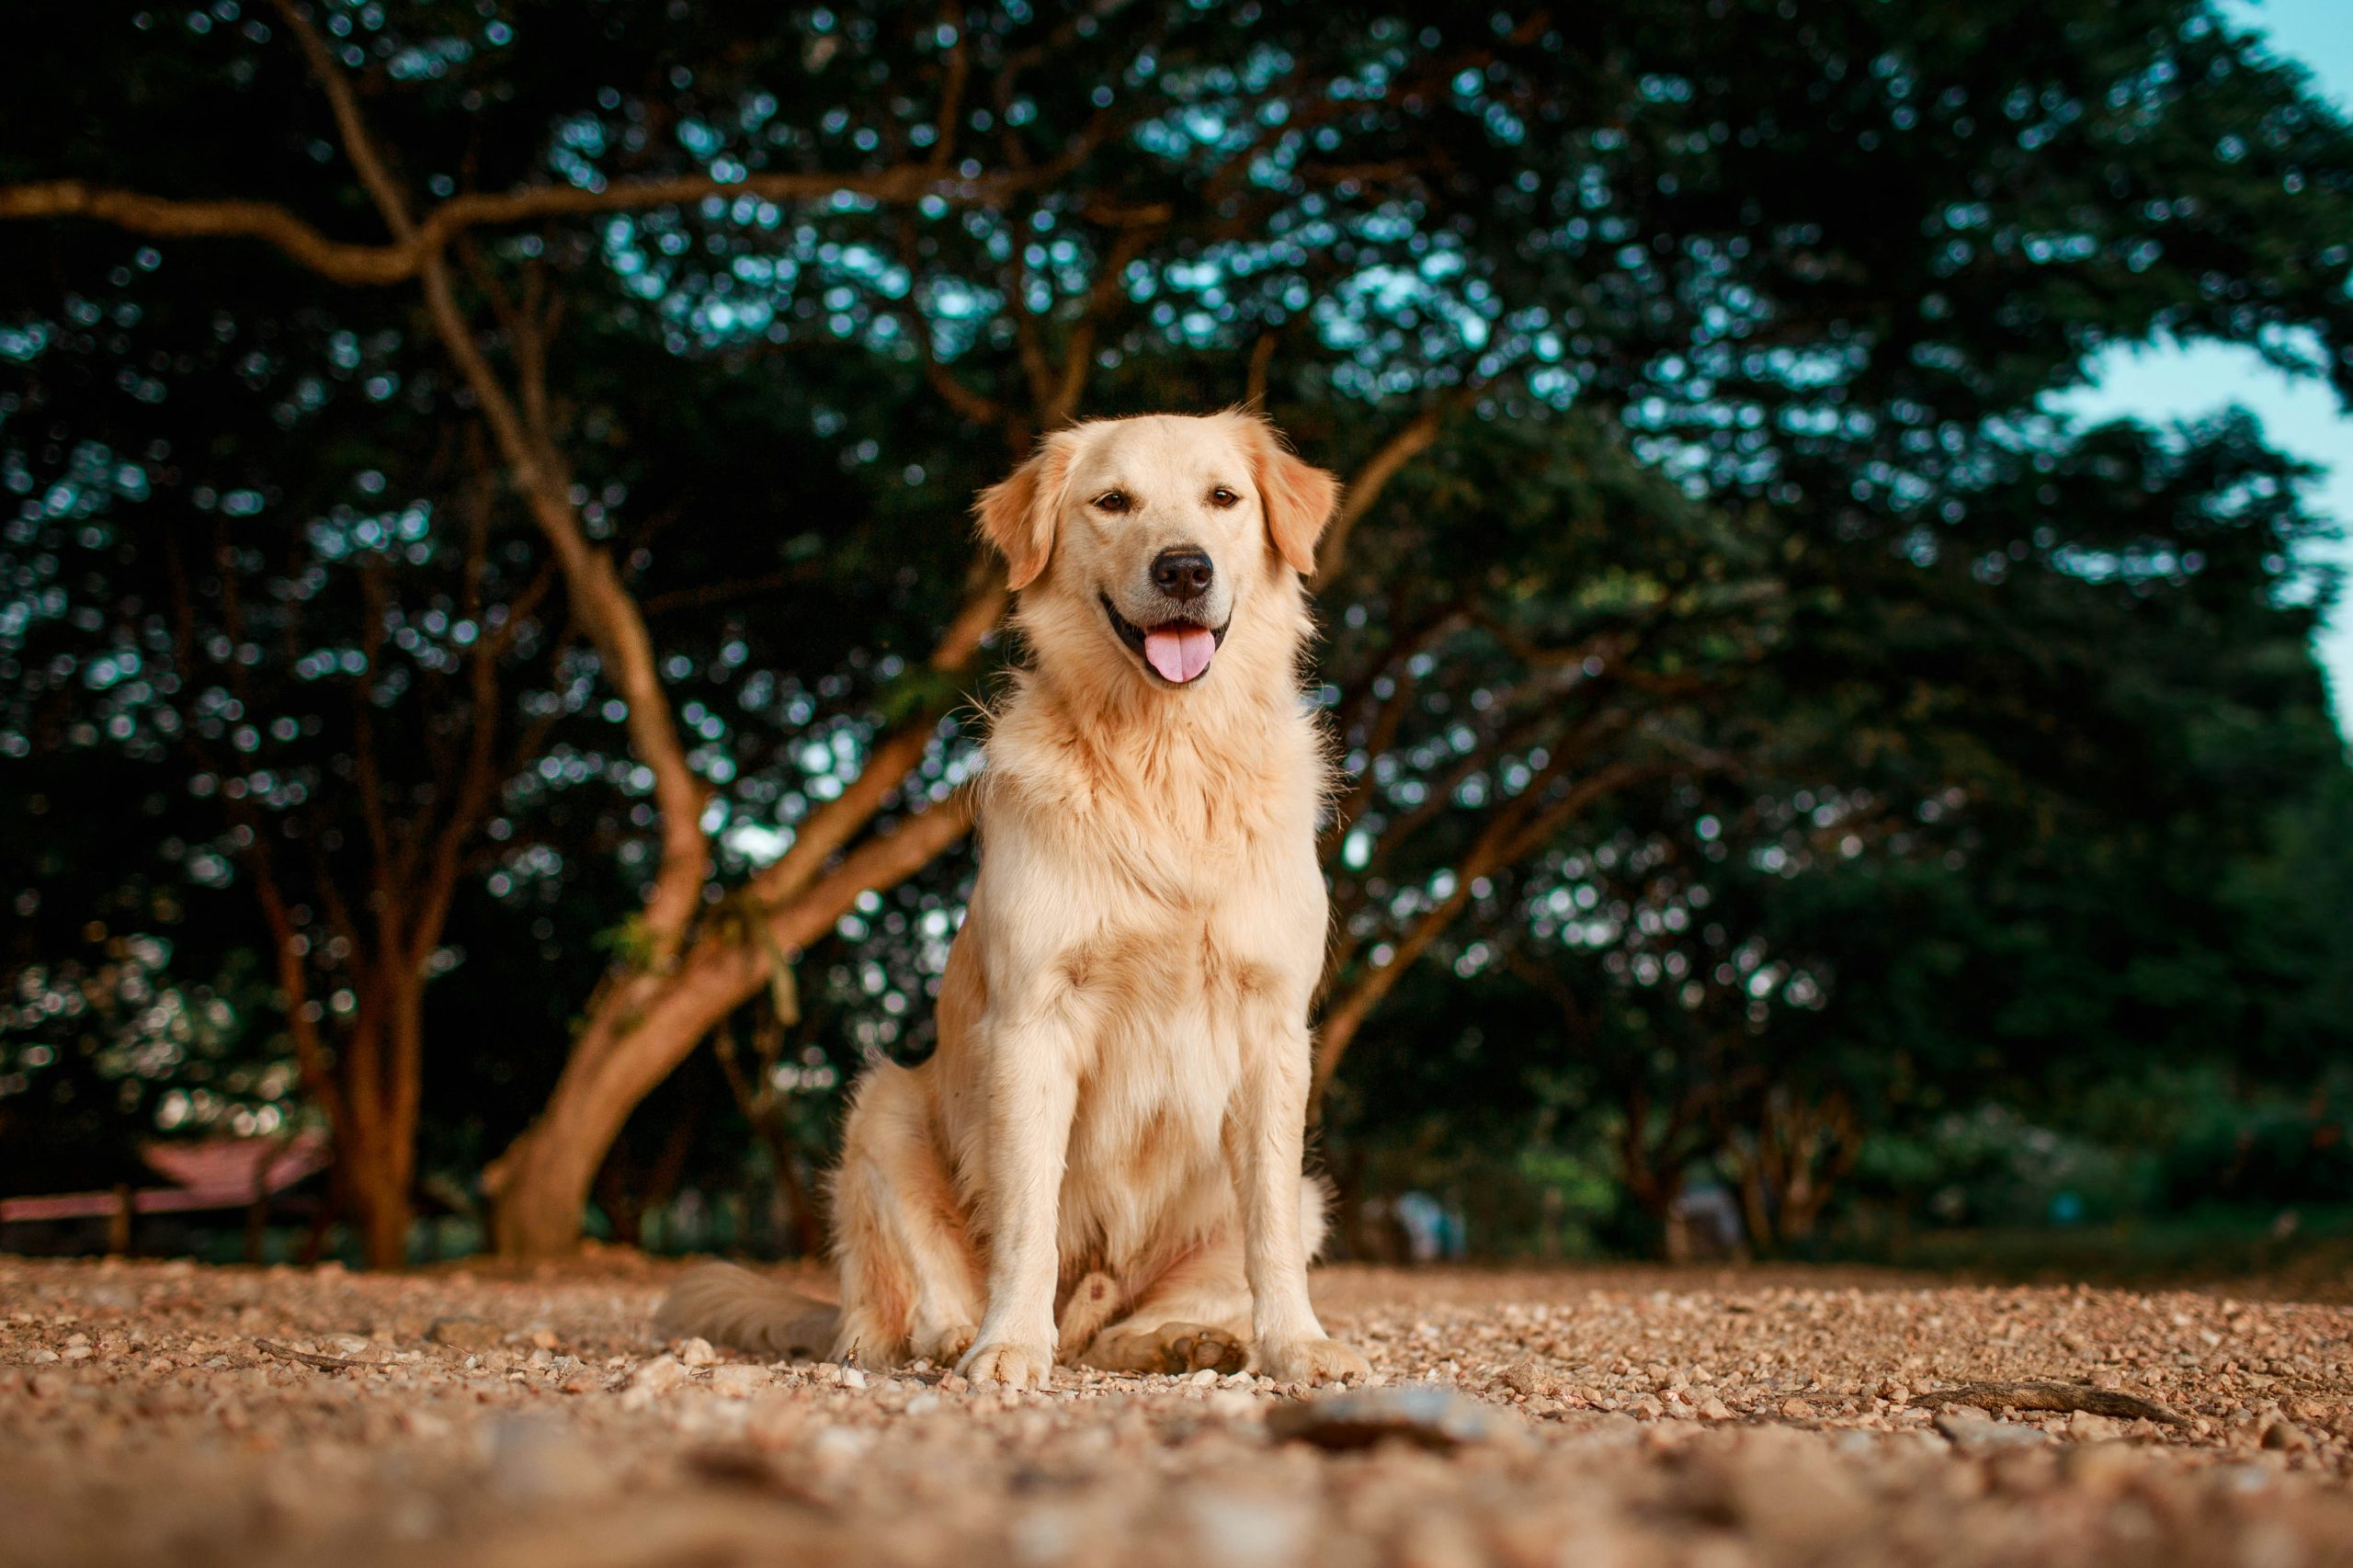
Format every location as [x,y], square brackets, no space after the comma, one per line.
[1221,497]
[1112,501]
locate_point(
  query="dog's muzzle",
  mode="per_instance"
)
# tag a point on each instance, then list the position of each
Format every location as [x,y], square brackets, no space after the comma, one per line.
[1175,651]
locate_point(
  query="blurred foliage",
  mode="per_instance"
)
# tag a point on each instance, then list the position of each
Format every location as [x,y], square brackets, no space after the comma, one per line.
[1971,784]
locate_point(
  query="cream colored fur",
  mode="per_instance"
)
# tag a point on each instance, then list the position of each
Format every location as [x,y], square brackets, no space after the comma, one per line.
[1110,1136]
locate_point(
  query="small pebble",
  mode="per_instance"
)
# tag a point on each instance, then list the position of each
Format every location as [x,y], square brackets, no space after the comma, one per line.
[1425,1415]
[464,1334]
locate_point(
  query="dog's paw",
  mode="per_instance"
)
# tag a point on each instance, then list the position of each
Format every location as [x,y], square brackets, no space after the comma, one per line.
[1313,1361]
[1015,1366]
[1192,1349]
[941,1347]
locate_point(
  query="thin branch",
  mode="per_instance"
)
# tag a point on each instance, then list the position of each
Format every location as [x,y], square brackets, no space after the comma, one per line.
[357,145]
[309,1052]
[1365,484]
[611,617]
[165,217]
[1391,718]
[1504,840]
[973,405]
[1032,346]
[1108,291]
[879,862]
[363,723]
[1262,358]
[524,339]
[836,823]
[1500,741]
[733,588]
[951,91]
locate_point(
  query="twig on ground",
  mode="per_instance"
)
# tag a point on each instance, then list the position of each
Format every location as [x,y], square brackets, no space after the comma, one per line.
[310,1359]
[2052,1396]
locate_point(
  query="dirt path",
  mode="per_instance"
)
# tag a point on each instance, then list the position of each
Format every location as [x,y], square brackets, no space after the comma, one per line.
[169,1414]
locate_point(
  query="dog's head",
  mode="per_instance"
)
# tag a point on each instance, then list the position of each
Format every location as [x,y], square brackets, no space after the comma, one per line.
[1164,529]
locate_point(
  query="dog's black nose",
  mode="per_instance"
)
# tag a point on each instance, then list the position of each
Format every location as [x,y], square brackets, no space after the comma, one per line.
[1183,572]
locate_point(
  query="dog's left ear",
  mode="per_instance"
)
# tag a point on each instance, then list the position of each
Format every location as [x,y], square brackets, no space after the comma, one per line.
[1019,514]
[1297,497]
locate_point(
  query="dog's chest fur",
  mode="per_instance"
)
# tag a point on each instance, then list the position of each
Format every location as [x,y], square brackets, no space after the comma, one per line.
[1196,927]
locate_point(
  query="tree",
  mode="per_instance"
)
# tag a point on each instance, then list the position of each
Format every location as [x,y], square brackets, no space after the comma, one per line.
[370,1083]
[2020,876]
[1797,338]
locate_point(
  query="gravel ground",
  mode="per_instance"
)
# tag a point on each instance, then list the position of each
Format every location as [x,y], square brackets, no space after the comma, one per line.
[170,1413]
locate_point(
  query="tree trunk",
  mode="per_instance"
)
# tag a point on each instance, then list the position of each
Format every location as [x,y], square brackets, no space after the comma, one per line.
[375,1192]
[1789,1163]
[808,1221]
[642,1025]
[619,1196]
[640,1029]
[385,1218]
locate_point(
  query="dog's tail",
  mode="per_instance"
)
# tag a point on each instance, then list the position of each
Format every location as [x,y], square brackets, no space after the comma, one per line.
[728,1305]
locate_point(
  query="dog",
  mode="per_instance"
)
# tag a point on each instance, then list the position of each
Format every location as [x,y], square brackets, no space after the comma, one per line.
[1103,1161]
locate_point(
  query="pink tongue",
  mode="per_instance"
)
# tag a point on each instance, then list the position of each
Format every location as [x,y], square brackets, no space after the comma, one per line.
[1179,652]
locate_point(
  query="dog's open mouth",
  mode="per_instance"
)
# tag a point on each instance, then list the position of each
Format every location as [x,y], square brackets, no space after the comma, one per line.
[1176,650]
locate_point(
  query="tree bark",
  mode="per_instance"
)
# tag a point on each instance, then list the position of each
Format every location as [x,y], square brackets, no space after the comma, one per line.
[619,1194]
[644,1023]
[1789,1163]
[386,1216]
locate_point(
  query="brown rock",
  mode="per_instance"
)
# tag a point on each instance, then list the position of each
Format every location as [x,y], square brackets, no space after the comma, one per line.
[1533,1379]
[1423,1415]
[654,1380]
[739,1381]
[464,1334]
[2285,1437]
[2086,1427]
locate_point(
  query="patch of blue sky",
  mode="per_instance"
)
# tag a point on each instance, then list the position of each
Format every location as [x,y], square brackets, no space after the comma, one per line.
[2167,382]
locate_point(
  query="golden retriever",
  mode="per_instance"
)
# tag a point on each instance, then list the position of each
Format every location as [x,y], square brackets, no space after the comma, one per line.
[1103,1159]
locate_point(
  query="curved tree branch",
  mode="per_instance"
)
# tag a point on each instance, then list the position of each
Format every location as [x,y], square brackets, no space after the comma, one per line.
[1511,835]
[357,145]
[166,217]
[1365,484]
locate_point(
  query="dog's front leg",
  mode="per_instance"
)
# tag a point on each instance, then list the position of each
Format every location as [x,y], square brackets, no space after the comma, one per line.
[1266,1134]
[1034,1089]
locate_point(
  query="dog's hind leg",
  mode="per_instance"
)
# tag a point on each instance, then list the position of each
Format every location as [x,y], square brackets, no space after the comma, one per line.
[910,1278]
[1195,1313]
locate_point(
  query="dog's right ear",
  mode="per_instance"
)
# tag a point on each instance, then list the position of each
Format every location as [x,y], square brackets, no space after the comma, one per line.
[1019,515]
